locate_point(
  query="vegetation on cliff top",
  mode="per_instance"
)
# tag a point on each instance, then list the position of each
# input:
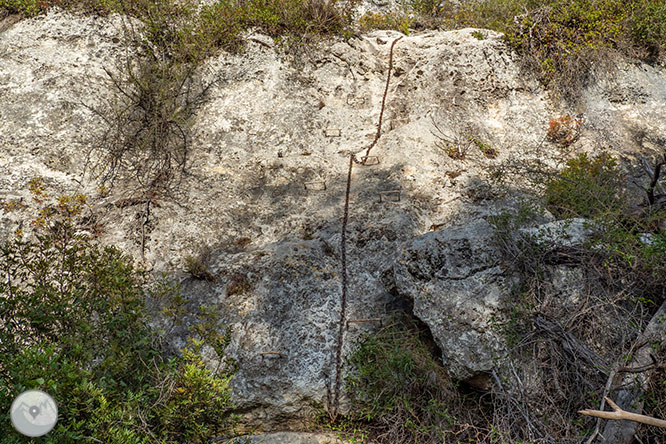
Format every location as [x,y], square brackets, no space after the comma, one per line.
[560,40]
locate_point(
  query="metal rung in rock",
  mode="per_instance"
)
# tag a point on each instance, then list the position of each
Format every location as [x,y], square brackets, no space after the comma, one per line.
[333,132]
[274,354]
[317,185]
[370,160]
[390,196]
[355,100]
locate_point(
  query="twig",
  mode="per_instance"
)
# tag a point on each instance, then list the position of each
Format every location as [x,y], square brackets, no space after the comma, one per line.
[619,414]
[655,180]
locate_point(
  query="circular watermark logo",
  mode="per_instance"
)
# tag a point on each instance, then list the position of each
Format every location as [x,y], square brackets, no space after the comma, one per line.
[34,413]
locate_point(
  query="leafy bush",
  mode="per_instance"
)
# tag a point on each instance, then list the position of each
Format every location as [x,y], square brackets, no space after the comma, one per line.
[587,187]
[73,322]
[496,15]
[647,21]
[392,20]
[398,391]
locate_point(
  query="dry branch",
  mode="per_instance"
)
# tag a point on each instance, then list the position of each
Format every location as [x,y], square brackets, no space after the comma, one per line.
[572,345]
[654,179]
[619,414]
[632,383]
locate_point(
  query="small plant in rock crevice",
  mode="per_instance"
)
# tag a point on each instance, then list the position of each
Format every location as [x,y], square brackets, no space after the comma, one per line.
[239,283]
[487,150]
[198,269]
[400,393]
[564,130]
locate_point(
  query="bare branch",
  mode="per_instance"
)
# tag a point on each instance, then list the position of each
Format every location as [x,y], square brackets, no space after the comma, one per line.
[619,414]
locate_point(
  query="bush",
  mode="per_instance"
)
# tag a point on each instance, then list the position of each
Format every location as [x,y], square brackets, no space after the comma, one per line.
[586,187]
[392,20]
[399,392]
[74,324]
[31,8]
[647,21]
[295,17]
[496,15]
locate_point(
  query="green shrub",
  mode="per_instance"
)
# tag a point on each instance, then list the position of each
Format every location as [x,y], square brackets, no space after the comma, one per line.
[73,322]
[198,269]
[397,388]
[586,187]
[496,15]
[31,8]
[647,21]
[296,17]
[563,39]
[392,20]
[220,22]
[633,256]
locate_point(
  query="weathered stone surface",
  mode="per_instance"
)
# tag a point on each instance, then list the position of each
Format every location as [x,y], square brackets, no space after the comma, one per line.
[458,288]
[560,233]
[267,175]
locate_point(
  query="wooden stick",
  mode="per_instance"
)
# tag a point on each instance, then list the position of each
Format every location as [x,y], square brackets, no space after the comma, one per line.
[632,385]
[620,414]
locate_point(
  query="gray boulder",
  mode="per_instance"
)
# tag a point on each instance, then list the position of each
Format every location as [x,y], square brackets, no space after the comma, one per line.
[455,281]
[461,291]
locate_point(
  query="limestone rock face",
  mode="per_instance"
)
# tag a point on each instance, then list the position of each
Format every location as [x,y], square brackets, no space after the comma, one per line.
[267,171]
[457,286]
[460,290]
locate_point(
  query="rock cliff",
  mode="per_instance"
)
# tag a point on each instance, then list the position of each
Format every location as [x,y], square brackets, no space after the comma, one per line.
[263,195]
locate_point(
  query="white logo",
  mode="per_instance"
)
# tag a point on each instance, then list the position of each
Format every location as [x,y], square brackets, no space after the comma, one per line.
[34,413]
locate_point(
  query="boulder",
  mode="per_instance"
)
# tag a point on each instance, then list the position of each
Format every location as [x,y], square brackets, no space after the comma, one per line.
[458,288]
